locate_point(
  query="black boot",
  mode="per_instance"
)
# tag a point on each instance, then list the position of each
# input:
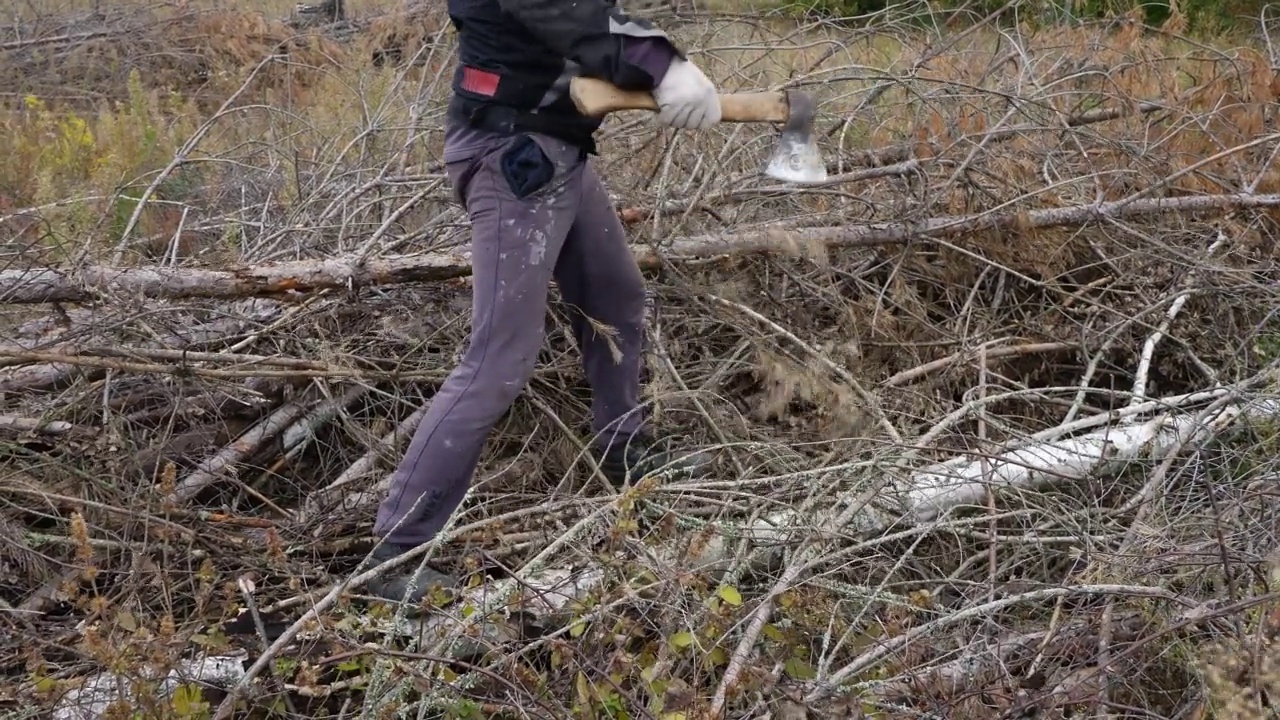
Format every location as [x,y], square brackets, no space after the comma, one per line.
[631,459]
[393,583]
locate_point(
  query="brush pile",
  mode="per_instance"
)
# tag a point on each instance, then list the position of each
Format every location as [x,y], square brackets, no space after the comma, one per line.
[992,409]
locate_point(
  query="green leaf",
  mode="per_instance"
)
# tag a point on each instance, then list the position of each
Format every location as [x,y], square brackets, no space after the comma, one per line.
[46,685]
[730,594]
[717,656]
[682,639]
[577,628]
[187,702]
[585,697]
[799,669]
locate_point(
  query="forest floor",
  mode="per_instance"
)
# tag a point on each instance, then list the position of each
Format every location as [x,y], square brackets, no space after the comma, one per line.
[992,408]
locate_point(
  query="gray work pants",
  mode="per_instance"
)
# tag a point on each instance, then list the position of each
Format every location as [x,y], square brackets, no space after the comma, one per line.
[564,229]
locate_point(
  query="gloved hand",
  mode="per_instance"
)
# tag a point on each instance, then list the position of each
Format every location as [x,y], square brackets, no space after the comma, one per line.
[687,98]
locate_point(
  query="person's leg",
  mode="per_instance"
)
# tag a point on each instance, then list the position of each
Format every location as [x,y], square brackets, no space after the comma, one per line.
[515,243]
[598,277]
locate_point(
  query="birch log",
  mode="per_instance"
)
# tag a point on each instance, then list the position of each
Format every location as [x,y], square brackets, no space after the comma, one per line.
[85,284]
[928,493]
[961,480]
[95,695]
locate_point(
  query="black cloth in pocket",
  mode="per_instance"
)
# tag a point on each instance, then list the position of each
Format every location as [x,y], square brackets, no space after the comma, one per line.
[526,167]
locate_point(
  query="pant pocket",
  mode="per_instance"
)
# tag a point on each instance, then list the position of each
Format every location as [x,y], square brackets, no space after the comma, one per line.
[525,166]
[459,174]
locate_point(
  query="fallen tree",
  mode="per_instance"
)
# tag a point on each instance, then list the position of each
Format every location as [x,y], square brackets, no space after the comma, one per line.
[99,283]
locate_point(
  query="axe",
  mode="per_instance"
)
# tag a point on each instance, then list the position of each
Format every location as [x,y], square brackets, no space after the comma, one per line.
[796,158]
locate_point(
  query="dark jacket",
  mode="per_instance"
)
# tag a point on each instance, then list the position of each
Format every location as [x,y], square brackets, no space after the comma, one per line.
[515,59]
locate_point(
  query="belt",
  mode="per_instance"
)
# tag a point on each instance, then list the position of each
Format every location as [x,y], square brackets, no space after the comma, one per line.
[506,119]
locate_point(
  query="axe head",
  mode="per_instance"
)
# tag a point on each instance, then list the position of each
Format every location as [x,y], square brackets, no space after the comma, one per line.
[796,158]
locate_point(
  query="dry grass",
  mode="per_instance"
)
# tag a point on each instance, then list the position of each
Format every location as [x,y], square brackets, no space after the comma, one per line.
[32,10]
[820,370]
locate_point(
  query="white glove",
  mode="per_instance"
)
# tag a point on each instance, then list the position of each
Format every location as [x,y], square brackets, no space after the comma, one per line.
[686,98]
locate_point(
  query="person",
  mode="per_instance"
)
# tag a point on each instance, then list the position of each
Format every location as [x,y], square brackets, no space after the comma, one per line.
[517,155]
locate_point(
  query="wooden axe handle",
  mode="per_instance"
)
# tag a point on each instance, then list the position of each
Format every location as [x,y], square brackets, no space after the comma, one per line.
[596,98]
